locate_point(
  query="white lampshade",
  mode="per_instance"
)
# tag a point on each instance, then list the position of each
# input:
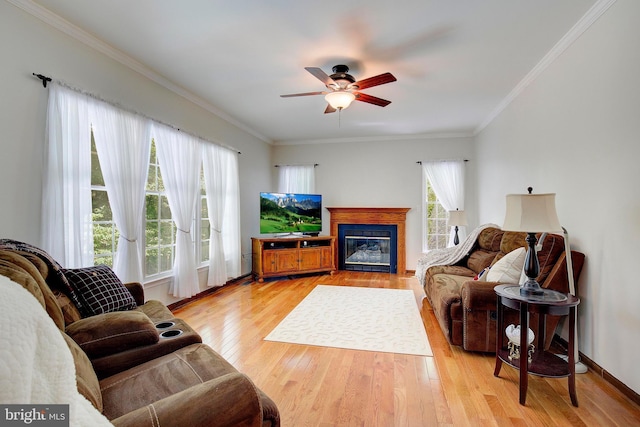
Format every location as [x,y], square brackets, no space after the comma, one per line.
[340,99]
[458,218]
[533,213]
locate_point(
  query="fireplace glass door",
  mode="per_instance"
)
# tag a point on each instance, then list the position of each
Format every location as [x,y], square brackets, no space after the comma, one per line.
[367,251]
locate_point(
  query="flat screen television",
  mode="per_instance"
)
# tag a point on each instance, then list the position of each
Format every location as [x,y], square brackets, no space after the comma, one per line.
[290,213]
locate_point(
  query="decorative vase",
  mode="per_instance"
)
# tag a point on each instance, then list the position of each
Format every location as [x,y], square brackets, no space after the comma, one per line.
[513,333]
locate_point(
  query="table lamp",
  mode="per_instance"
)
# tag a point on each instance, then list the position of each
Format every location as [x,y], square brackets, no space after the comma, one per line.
[532,213]
[457,218]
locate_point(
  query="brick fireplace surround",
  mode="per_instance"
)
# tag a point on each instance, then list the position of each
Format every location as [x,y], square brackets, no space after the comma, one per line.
[387,216]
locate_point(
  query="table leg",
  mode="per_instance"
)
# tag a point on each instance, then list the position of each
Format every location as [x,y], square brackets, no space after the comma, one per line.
[572,361]
[524,348]
[499,336]
[542,331]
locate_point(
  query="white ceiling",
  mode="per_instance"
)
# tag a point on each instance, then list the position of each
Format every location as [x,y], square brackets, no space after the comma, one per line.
[456,61]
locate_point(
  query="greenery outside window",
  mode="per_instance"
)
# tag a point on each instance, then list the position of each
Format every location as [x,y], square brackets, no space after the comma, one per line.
[160,230]
[105,232]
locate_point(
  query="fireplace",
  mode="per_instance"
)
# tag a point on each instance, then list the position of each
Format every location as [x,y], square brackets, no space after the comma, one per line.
[374,234]
[367,247]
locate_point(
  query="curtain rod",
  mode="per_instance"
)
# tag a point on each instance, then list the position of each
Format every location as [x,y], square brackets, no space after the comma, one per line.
[420,161]
[46,79]
[308,164]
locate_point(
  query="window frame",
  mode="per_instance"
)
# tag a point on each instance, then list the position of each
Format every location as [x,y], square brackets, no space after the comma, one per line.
[98,185]
[441,215]
[155,189]
[198,226]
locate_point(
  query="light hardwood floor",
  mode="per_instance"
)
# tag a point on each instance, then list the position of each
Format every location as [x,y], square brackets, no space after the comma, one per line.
[320,386]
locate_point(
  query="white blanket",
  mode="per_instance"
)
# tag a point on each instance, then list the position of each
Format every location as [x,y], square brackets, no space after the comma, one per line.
[36,366]
[448,256]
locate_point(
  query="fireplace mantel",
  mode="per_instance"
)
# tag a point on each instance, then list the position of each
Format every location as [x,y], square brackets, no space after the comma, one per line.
[392,216]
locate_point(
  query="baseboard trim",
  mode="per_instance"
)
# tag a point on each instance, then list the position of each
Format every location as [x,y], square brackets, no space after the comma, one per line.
[600,371]
[245,278]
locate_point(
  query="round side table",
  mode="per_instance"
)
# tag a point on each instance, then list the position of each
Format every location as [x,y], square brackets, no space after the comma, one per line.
[543,363]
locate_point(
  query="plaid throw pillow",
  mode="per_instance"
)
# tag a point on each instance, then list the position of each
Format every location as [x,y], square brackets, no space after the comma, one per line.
[99,290]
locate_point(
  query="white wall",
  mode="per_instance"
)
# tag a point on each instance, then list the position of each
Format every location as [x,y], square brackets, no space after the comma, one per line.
[379,174]
[28,45]
[575,131]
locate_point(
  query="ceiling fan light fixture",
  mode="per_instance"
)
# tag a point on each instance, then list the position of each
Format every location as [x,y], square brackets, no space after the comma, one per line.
[340,99]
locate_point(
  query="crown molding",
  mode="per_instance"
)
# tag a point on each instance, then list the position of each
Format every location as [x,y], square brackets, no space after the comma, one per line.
[93,42]
[385,138]
[50,18]
[592,15]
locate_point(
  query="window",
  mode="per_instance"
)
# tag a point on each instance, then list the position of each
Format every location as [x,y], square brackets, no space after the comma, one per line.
[296,178]
[443,190]
[105,232]
[89,214]
[205,226]
[437,233]
[160,231]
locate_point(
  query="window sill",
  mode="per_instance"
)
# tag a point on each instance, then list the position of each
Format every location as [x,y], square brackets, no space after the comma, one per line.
[167,278]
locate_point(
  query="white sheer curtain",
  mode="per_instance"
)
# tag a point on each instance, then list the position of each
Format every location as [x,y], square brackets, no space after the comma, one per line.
[67,232]
[222,186]
[297,179]
[180,156]
[447,180]
[123,141]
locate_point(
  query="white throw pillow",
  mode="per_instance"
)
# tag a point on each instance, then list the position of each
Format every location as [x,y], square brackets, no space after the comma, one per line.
[509,268]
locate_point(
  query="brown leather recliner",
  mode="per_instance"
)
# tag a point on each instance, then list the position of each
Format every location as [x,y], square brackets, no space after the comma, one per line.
[191,385]
[114,341]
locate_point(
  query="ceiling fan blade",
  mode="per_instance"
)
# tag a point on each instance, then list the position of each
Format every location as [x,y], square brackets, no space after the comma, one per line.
[375,81]
[372,99]
[329,109]
[321,75]
[302,94]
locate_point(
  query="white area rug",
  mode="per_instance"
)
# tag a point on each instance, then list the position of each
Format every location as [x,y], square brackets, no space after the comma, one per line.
[374,319]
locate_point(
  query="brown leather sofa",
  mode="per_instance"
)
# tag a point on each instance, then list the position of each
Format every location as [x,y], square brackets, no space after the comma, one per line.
[466,308]
[114,341]
[129,371]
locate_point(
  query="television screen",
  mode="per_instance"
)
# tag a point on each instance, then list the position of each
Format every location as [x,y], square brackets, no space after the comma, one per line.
[290,213]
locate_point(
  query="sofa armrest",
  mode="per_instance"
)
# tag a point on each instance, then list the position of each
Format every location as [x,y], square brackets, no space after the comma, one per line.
[230,400]
[479,302]
[115,332]
[137,290]
[479,295]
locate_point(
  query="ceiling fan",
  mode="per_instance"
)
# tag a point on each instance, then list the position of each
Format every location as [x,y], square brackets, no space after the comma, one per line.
[343,88]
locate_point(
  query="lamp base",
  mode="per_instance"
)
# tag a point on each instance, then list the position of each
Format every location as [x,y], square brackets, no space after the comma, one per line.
[581,368]
[531,288]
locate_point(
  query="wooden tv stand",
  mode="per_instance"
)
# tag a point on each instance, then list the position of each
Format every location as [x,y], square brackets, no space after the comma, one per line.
[281,256]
